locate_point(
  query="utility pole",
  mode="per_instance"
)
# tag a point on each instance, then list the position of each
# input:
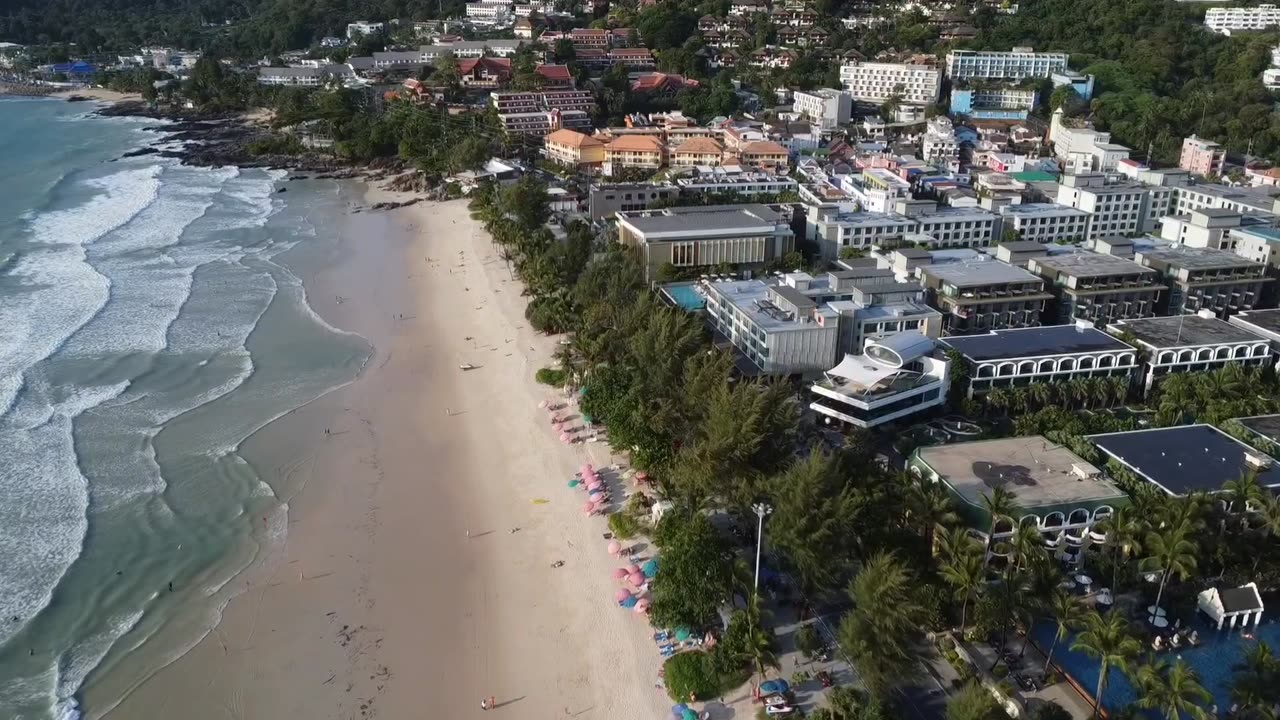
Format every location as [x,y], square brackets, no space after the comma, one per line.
[761,510]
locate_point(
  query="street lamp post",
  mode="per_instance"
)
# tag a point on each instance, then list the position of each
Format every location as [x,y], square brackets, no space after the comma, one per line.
[761,510]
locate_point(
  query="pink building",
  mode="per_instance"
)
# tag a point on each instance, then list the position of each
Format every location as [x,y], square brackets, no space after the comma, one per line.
[1201,157]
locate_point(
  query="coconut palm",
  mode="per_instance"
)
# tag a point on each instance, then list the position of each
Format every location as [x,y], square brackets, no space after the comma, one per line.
[1041,394]
[1018,400]
[999,505]
[1080,391]
[1125,529]
[1256,686]
[1027,544]
[1243,493]
[998,399]
[1172,689]
[760,641]
[954,541]
[1106,637]
[1068,613]
[1171,553]
[966,573]
[1119,386]
[929,506]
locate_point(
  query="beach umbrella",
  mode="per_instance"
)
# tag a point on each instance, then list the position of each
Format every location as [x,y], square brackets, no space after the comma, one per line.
[690,714]
[594,486]
[636,579]
[588,507]
[632,569]
[629,602]
[597,493]
[682,634]
[642,605]
[678,710]
[565,437]
[619,573]
[542,404]
[574,483]
[615,547]
[588,468]
[622,594]
[650,568]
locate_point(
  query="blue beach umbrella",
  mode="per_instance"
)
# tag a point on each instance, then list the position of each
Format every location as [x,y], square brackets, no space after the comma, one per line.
[630,602]
[682,634]
[650,568]
[678,710]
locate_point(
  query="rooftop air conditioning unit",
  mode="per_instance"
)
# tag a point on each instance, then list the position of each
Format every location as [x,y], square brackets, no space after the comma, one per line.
[1258,460]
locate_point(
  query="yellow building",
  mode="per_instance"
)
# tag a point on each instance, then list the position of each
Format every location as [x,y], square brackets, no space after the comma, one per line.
[766,155]
[634,151]
[573,149]
[697,151]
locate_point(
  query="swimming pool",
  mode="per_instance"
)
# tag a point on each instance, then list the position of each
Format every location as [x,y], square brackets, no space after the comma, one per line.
[1219,651]
[684,295]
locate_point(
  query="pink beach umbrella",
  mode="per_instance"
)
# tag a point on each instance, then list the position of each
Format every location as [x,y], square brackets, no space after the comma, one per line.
[622,594]
[588,508]
[642,605]
[587,469]
[615,547]
[620,573]
[636,579]
[542,404]
[632,569]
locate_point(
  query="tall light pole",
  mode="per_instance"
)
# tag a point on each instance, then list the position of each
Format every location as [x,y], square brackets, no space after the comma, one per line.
[761,510]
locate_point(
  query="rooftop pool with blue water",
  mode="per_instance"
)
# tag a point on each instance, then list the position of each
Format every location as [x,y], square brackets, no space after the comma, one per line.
[685,296]
[1213,659]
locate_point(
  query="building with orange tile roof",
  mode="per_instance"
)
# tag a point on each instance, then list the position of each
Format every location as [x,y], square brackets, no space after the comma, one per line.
[634,151]
[697,151]
[574,149]
[764,154]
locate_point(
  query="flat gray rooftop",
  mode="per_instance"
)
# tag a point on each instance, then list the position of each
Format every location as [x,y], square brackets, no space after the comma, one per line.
[1091,264]
[1197,258]
[973,274]
[686,221]
[1041,209]
[1183,331]
[1268,426]
[1184,459]
[1015,343]
[1018,246]
[1038,472]
[1264,320]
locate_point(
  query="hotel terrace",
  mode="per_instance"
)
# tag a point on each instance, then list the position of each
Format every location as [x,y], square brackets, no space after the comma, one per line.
[894,377]
[1057,353]
[1053,489]
[634,151]
[1191,343]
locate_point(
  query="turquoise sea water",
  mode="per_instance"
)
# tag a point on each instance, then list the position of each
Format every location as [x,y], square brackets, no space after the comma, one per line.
[148,325]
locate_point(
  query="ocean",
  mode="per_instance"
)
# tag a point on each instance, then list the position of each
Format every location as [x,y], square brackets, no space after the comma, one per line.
[149,323]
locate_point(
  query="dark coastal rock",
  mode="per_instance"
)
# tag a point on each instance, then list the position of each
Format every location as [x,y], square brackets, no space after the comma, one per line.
[78,98]
[394,205]
[140,152]
[283,189]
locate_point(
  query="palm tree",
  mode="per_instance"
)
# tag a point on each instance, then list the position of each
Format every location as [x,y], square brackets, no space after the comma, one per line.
[1257,682]
[1107,638]
[760,641]
[1174,690]
[1170,552]
[1243,493]
[998,398]
[999,505]
[1124,529]
[1080,391]
[1041,394]
[1068,613]
[1119,389]
[966,573]
[954,541]
[929,507]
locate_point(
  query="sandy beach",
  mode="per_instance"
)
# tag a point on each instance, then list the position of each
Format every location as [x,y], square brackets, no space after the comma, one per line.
[426,508]
[99,94]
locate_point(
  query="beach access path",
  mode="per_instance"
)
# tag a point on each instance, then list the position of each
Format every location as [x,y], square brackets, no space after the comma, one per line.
[428,506]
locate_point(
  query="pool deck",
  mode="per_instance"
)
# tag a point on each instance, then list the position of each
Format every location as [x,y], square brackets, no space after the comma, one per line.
[1033,660]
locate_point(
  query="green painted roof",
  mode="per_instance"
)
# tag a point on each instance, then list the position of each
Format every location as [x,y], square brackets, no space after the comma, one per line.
[1034,176]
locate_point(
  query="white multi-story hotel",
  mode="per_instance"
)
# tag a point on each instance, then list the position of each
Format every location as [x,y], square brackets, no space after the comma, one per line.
[913,83]
[826,108]
[363,27]
[998,65]
[1226,20]
[490,11]
[1046,222]
[1116,210]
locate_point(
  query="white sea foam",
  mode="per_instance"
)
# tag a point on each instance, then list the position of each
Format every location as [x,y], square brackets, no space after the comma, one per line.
[63,290]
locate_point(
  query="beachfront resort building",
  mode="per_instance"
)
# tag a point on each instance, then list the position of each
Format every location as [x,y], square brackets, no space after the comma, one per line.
[894,377]
[875,82]
[1187,459]
[1054,489]
[638,152]
[1226,20]
[1191,343]
[1055,353]
[574,150]
[1205,279]
[1096,287]
[1263,323]
[800,323]
[984,294]
[744,236]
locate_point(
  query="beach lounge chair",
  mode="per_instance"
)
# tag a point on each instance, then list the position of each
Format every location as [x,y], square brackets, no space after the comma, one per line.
[1175,642]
